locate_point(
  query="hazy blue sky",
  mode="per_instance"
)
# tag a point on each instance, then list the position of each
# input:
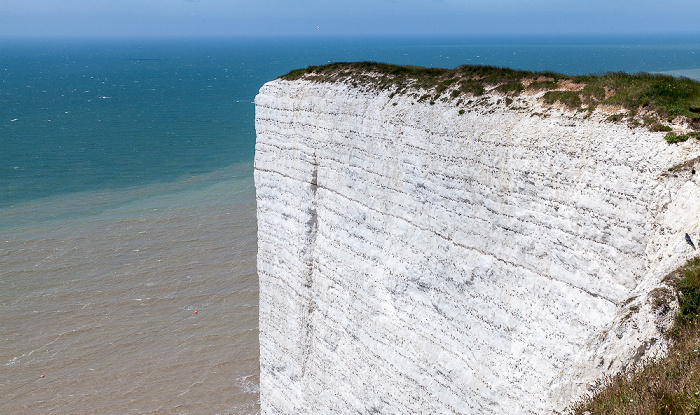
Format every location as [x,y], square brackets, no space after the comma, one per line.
[363,17]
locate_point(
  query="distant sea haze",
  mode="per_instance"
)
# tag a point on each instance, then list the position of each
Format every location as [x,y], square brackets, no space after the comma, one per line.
[127,204]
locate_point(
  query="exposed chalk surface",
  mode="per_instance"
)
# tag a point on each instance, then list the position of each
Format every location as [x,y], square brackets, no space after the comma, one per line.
[415,260]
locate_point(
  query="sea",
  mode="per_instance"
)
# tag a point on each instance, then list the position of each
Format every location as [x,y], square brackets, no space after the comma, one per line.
[128,278]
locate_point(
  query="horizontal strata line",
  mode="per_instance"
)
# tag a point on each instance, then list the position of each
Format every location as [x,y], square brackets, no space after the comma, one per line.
[632,198]
[385,345]
[401,129]
[541,224]
[427,337]
[495,213]
[404,374]
[455,243]
[643,206]
[474,140]
[464,329]
[337,213]
[286,283]
[282,346]
[514,313]
[318,113]
[484,253]
[355,291]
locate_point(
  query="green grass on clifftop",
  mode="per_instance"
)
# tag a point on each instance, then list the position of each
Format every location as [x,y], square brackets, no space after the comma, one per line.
[664,96]
[670,385]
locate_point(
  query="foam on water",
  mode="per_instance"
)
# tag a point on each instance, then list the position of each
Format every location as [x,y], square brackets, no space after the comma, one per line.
[692,73]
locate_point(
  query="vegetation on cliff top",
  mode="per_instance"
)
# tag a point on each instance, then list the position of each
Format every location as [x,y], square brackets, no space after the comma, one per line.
[667,386]
[660,98]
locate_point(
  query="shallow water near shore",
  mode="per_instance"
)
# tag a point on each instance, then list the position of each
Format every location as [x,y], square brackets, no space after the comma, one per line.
[127,203]
[104,307]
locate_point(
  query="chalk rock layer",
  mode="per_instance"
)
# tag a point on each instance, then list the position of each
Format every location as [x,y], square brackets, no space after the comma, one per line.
[413,259]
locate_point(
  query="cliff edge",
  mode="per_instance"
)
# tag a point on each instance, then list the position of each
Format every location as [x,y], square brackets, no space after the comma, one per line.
[492,255]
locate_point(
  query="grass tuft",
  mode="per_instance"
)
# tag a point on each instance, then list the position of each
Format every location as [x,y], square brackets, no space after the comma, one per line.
[659,127]
[689,288]
[672,138]
[569,98]
[540,85]
[513,87]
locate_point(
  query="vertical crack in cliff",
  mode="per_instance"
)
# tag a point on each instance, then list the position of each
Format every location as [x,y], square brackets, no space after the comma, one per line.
[311,236]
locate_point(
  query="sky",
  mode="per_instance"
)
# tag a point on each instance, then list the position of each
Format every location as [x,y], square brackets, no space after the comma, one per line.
[189,18]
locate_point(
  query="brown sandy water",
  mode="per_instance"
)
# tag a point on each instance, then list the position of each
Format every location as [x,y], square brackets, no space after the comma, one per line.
[97,312]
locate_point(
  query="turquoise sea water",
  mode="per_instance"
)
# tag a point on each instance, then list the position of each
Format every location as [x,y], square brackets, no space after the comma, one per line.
[127,203]
[85,115]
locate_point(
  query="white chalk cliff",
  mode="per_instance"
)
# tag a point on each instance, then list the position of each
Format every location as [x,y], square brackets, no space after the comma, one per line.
[413,259]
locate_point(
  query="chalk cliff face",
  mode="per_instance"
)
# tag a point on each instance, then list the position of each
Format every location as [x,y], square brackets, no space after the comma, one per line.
[417,260]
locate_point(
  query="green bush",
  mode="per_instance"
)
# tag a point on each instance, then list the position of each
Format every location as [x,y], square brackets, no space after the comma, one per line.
[471,87]
[569,98]
[511,87]
[689,288]
[659,127]
[595,92]
[672,138]
[539,85]
[443,86]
